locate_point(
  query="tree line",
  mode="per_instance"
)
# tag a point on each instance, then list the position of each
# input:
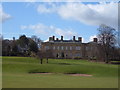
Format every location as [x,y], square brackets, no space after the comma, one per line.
[23,46]
[108,45]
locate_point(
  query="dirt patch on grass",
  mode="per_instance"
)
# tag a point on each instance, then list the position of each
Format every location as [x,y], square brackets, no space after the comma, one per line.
[71,74]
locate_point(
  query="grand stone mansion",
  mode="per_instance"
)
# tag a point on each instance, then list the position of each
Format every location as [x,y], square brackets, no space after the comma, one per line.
[60,48]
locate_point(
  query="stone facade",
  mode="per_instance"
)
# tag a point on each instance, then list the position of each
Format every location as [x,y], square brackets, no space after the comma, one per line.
[61,48]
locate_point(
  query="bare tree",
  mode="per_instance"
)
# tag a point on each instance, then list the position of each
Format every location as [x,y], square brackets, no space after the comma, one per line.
[107,40]
[1,38]
[40,56]
[45,55]
[118,39]
[37,40]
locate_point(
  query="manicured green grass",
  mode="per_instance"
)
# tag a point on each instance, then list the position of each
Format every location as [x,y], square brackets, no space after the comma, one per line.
[18,73]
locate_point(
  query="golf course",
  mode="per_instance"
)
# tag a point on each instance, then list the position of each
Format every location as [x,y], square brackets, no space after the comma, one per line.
[27,72]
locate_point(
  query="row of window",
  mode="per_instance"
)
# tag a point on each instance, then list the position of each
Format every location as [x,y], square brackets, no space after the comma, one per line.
[67,55]
[63,47]
[67,48]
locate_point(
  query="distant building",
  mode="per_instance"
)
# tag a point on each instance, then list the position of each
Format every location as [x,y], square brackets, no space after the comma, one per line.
[61,48]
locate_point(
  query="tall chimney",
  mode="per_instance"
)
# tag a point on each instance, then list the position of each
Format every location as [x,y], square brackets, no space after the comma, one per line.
[80,39]
[61,38]
[73,38]
[57,39]
[50,38]
[53,38]
[95,39]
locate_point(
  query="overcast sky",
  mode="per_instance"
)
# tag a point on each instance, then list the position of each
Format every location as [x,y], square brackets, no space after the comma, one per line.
[45,19]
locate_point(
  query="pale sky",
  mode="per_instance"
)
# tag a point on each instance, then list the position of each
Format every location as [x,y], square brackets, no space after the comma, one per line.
[45,19]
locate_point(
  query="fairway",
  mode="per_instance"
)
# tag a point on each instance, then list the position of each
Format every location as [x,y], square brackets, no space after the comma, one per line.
[23,72]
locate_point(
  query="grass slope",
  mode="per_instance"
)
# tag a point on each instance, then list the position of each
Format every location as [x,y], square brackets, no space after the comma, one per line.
[16,73]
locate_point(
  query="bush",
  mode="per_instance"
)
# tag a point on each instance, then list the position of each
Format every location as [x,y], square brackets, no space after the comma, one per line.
[77,58]
[115,62]
[33,54]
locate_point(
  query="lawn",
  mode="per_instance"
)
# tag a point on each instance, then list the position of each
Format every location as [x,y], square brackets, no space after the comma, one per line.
[23,72]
